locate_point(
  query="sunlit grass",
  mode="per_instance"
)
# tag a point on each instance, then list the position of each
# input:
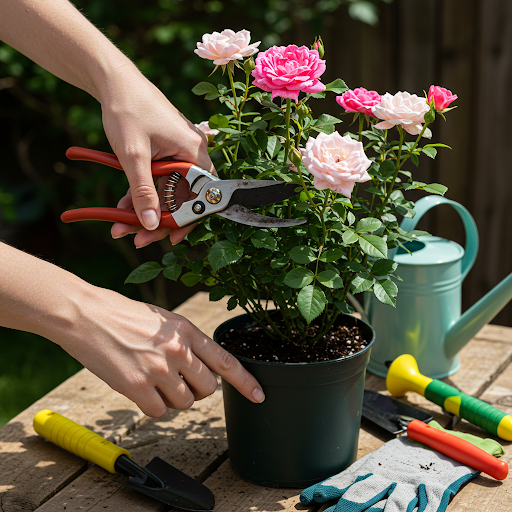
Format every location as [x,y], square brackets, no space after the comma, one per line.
[30,367]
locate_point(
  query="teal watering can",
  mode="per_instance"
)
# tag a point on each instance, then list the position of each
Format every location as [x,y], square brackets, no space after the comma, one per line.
[427,322]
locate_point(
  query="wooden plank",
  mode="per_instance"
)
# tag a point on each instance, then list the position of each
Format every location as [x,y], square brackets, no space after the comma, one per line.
[493,332]
[233,493]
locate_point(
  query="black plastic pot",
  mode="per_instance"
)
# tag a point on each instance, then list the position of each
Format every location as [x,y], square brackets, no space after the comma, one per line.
[307,429]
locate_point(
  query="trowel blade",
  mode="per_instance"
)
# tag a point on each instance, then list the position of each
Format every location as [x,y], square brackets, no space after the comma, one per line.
[385,412]
[173,487]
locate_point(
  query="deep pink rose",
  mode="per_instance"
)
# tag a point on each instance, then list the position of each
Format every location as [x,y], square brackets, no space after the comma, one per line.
[442,97]
[336,162]
[286,70]
[359,100]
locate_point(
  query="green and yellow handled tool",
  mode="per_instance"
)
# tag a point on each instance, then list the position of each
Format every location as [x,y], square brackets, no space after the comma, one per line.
[403,375]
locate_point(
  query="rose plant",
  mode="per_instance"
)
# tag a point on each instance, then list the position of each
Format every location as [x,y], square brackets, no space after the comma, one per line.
[351,187]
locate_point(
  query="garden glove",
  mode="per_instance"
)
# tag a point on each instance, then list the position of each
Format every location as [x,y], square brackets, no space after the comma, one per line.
[398,477]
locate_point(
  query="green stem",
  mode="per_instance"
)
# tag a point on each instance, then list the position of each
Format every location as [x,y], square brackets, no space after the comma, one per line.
[361,125]
[415,144]
[247,75]
[287,121]
[237,110]
[398,165]
[226,156]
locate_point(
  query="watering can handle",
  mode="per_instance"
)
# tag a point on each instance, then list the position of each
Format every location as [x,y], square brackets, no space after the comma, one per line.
[423,205]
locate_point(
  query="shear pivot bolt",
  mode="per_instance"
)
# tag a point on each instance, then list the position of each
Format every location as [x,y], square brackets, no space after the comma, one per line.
[213,195]
[198,207]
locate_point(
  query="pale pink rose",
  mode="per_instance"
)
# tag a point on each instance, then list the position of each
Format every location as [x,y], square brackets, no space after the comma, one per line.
[286,70]
[442,97]
[359,100]
[205,128]
[336,162]
[226,46]
[405,109]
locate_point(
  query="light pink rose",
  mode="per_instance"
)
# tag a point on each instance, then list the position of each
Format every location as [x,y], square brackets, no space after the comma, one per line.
[336,162]
[359,100]
[405,109]
[205,128]
[442,97]
[286,70]
[226,46]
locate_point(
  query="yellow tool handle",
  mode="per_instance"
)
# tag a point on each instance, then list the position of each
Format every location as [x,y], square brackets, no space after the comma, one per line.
[78,440]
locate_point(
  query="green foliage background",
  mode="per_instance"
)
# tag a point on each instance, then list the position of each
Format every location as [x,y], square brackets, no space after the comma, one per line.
[40,116]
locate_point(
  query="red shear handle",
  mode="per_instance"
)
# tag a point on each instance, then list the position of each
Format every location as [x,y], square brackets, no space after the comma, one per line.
[158,168]
[458,449]
[114,215]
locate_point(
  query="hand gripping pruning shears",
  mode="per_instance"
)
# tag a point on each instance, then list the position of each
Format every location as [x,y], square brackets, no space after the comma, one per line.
[226,198]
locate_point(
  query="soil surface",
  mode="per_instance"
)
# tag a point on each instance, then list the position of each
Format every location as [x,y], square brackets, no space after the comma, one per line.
[256,344]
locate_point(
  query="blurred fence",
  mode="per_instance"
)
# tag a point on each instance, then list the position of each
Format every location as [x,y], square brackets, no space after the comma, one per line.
[463,45]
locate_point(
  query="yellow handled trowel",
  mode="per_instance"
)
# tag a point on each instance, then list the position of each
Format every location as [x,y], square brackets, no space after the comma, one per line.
[157,479]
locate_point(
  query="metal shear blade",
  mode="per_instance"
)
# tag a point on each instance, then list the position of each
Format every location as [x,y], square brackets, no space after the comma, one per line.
[243,215]
[229,198]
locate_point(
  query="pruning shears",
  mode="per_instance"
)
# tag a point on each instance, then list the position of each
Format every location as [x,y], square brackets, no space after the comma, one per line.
[226,198]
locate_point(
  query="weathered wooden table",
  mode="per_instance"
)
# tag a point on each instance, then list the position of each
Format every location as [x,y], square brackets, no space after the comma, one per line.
[37,475]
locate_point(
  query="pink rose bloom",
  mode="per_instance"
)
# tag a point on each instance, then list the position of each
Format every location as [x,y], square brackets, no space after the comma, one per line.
[442,97]
[336,162]
[226,46]
[286,70]
[359,100]
[205,128]
[405,109]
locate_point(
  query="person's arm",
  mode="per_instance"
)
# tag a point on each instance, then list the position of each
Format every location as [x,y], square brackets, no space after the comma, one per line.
[154,357]
[140,123]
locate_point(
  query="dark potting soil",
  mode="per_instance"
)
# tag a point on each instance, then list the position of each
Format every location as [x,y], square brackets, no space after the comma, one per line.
[255,343]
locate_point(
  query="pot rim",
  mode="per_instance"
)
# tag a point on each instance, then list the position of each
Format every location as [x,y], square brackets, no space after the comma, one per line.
[305,363]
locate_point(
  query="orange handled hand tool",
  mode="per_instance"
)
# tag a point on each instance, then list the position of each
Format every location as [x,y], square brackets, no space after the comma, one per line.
[458,449]
[175,171]
[226,198]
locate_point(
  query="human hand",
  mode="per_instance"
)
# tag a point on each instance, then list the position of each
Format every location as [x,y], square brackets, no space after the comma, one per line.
[142,125]
[156,358]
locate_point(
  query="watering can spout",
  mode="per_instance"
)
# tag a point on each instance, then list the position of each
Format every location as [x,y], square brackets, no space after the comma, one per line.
[463,330]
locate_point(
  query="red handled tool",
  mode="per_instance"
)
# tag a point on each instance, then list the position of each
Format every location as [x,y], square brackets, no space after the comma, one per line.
[458,449]
[227,198]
